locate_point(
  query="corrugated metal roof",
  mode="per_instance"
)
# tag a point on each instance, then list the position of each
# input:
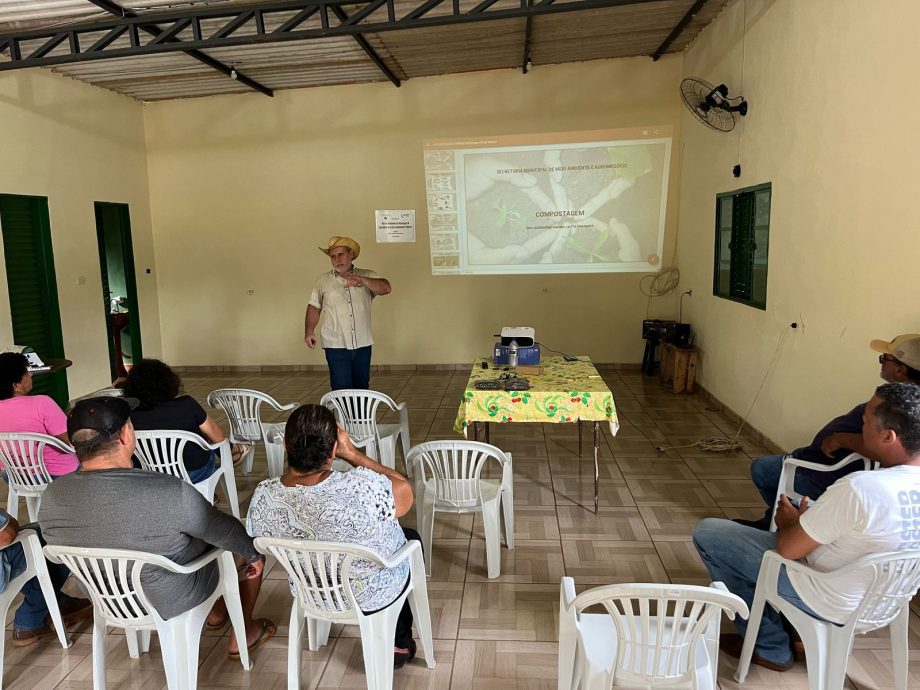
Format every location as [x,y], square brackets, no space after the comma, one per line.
[625,31]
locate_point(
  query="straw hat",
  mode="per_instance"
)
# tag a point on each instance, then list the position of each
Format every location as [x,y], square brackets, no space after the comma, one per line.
[339,241]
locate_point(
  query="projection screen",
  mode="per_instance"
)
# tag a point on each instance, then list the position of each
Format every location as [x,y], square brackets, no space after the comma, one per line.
[569,202]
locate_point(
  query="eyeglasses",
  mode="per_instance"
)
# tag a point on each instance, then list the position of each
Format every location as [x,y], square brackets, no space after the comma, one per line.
[888,358]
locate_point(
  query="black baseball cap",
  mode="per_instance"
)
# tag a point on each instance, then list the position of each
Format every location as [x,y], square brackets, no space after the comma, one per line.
[105,415]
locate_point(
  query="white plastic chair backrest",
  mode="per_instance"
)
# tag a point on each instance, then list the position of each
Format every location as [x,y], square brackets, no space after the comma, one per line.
[658,642]
[161,451]
[356,409]
[319,573]
[23,458]
[112,577]
[241,406]
[454,468]
[895,580]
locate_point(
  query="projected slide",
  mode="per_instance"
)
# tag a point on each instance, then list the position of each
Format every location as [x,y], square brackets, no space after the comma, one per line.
[568,202]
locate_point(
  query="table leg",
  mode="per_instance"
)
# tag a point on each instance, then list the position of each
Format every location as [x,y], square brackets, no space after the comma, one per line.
[597,437]
[579,437]
[475,431]
[488,435]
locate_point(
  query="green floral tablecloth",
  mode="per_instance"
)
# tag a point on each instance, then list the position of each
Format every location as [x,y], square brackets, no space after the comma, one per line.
[564,392]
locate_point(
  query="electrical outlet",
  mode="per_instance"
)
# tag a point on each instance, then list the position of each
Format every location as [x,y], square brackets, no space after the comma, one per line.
[81,280]
[250,292]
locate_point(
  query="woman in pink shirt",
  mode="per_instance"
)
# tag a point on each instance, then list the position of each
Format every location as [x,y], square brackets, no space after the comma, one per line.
[21,412]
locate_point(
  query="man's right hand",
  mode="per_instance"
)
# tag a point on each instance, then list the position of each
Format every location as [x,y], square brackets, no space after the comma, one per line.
[310,340]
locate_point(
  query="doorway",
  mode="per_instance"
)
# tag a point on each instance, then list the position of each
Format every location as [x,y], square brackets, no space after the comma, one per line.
[119,286]
[32,285]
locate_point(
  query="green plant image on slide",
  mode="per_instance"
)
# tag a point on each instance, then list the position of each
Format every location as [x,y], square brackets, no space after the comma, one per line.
[594,204]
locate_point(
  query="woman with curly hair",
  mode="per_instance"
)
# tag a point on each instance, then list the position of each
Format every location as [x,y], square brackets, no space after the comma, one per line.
[161,407]
[37,414]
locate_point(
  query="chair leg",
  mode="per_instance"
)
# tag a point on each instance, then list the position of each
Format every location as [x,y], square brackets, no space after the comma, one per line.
[404,440]
[421,612]
[132,636]
[32,504]
[492,528]
[99,653]
[229,481]
[180,652]
[899,652]
[377,633]
[507,498]
[425,524]
[318,632]
[747,649]
[36,559]
[231,594]
[12,502]
[295,643]
[248,457]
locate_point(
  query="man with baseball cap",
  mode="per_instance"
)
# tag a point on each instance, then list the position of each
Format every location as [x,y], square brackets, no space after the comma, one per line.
[344,296]
[110,504]
[900,363]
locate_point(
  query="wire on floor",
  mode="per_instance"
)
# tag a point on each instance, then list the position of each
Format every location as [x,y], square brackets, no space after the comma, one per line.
[721,444]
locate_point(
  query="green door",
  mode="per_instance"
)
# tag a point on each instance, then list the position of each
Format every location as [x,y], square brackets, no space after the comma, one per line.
[32,285]
[116,264]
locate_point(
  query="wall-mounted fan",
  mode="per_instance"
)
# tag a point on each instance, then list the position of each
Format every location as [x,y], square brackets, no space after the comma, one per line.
[711,104]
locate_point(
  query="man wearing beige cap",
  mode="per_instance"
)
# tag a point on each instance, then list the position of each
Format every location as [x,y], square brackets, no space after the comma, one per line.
[344,296]
[900,360]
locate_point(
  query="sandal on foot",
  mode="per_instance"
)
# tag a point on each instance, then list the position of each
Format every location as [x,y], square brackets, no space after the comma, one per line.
[400,659]
[265,634]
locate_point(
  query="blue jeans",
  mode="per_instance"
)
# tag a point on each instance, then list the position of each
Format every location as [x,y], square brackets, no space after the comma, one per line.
[732,554]
[204,471]
[765,472]
[349,368]
[32,613]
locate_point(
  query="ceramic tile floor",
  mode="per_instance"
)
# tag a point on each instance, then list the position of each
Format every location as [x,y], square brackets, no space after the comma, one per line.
[501,633]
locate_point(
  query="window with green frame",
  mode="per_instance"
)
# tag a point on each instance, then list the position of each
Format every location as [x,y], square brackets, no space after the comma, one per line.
[742,245]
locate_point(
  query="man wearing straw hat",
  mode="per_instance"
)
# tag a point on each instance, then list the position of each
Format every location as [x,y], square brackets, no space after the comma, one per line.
[344,295]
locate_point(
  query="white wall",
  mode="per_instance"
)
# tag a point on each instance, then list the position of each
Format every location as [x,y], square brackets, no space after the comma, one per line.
[832,125]
[244,188]
[76,144]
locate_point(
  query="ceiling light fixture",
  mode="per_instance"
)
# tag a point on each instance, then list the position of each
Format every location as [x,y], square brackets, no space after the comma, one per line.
[233,74]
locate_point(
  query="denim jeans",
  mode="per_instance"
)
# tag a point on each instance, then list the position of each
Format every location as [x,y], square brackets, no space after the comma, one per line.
[349,368]
[732,554]
[765,472]
[33,611]
[204,471]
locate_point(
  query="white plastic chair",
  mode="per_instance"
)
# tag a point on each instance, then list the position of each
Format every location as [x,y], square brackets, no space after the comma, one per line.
[113,579]
[23,458]
[242,407]
[161,451]
[652,635]
[323,595]
[448,480]
[894,578]
[356,410]
[786,483]
[35,567]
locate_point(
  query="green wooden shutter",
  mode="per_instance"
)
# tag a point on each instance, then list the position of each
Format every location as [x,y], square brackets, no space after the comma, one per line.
[32,284]
[742,247]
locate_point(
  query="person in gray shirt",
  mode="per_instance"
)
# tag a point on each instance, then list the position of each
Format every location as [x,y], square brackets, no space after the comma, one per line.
[109,504]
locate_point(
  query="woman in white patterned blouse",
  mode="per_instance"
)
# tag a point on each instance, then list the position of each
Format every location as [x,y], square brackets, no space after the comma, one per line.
[361,507]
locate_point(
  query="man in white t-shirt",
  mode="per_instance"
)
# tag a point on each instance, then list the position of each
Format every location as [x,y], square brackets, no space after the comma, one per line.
[860,514]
